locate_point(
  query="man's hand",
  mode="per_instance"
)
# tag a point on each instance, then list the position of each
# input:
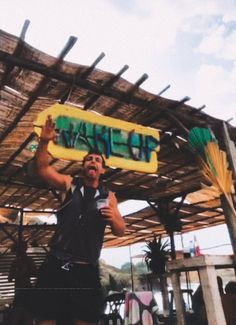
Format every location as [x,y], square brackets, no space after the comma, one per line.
[108,212]
[112,215]
[48,132]
[47,172]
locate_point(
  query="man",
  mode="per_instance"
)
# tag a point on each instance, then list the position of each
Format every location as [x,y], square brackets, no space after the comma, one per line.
[72,265]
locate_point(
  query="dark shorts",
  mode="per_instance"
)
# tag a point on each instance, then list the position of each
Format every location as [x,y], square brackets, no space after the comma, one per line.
[70,294]
[23,298]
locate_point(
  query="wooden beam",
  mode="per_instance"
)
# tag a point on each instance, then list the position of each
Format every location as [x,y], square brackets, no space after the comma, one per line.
[107,84]
[19,47]
[16,153]
[50,72]
[39,89]
[79,74]
[130,97]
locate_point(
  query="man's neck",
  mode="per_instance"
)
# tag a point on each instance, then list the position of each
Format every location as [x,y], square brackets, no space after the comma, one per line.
[91,182]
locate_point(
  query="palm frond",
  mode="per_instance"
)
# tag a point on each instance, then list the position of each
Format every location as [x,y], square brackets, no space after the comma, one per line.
[221,176]
[199,137]
[213,162]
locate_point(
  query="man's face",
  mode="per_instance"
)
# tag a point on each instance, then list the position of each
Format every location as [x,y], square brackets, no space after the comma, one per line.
[93,166]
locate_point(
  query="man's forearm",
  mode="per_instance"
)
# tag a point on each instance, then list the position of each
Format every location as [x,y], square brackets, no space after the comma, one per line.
[41,156]
[116,221]
[118,224]
[47,172]
[118,227]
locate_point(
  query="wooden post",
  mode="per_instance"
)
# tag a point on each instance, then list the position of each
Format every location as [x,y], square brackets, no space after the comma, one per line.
[131,270]
[211,296]
[205,265]
[20,230]
[172,245]
[164,292]
[180,313]
[229,215]
[230,220]
[230,149]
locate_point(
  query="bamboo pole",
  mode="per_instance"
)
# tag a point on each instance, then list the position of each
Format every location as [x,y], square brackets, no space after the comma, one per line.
[230,222]
[230,217]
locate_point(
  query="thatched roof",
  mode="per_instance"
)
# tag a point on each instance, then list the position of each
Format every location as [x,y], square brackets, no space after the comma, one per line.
[31,81]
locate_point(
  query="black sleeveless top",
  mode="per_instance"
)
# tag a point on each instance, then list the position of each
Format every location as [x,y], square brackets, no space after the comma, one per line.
[80,226]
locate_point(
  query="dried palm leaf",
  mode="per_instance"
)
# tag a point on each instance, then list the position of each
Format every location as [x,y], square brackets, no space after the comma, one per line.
[213,162]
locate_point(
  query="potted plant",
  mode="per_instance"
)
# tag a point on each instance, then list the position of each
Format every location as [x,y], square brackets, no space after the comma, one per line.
[157,253]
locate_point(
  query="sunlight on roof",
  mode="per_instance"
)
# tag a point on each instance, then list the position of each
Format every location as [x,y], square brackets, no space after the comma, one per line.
[48,219]
[131,206]
[178,199]
[43,219]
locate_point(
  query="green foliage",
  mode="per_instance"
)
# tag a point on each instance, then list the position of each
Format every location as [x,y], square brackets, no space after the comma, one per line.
[156,255]
[141,268]
[126,267]
[199,137]
[113,279]
[138,268]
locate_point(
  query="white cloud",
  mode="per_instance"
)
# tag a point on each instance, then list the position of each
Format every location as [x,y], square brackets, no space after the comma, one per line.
[217,86]
[213,42]
[219,44]
[229,10]
[149,36]
[229,48]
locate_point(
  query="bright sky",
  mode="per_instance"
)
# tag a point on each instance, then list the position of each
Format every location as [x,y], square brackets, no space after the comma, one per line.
[188,44]
[213,240]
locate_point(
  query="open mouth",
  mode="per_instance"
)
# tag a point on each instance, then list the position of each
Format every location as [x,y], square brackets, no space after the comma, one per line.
[92,168]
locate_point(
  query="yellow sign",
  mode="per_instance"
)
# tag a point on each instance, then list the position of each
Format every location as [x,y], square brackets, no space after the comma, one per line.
[124,145]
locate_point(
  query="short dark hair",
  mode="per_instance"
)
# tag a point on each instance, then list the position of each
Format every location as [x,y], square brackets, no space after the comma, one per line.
[95,151]
[230,287]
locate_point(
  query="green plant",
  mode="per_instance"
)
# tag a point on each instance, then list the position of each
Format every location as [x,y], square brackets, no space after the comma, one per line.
[157,254]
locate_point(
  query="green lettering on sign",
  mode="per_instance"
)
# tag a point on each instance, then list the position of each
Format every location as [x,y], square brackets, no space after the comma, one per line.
[125,145]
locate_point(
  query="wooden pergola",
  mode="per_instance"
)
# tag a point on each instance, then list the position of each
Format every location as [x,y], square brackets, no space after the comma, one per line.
[31,81]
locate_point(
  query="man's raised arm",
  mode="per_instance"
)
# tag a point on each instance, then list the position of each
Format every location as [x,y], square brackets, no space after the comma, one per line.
[45,171]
